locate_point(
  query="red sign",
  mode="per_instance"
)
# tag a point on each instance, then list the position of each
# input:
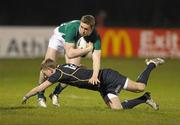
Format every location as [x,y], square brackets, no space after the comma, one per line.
[129,42]
[159,42]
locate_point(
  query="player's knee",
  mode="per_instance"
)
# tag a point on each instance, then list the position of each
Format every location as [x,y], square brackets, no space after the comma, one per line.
[141,87]
[113,101]
[116,107]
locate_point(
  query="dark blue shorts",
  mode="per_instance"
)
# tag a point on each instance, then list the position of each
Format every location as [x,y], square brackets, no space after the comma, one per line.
[111,82]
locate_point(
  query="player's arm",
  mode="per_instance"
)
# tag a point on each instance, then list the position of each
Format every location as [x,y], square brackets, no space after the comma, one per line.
[96,57]
[35,90]
[73,52]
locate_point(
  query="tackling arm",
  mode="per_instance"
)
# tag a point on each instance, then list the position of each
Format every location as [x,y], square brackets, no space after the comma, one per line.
[35,90]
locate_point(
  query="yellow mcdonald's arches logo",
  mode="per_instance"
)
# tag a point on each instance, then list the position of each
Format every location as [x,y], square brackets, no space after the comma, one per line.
[116,39]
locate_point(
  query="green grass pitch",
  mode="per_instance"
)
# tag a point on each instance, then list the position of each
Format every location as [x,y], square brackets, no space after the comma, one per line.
[84,107]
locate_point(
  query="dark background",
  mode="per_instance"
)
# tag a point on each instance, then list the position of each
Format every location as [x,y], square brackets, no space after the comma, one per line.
[132,13]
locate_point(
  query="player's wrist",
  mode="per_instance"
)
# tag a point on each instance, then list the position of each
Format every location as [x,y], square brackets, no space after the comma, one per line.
[25,97]
[89,48]
[94,75]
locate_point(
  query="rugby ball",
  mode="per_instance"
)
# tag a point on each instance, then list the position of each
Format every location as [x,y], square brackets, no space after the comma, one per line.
[81,43]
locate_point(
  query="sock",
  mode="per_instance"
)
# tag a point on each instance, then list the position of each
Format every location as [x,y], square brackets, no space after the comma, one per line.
[143,77]
[129,104]
[41,94]
[58,89]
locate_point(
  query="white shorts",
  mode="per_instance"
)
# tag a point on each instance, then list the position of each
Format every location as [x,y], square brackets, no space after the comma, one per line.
[57,41]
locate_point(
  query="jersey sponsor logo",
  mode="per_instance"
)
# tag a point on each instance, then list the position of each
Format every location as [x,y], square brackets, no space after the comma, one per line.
[70,66]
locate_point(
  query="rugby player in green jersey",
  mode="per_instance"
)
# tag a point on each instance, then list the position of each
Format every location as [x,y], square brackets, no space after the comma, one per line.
[64,41]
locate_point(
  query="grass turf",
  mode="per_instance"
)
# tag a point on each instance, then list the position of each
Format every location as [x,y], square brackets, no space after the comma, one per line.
[84,107]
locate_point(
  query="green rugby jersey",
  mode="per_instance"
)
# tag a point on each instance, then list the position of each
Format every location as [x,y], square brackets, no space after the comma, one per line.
[71,34]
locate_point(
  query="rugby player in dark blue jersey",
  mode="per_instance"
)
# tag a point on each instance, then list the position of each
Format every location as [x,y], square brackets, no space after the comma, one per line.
[111,82]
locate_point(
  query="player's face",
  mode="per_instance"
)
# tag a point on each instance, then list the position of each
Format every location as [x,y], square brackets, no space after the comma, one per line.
[85,29]
[47,72]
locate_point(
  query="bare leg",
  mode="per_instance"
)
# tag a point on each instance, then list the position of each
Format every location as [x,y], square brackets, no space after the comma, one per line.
[135,86]
[113,101]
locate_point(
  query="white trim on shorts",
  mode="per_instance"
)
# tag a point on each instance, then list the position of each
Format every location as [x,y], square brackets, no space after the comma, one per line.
[126,84]
[110,95]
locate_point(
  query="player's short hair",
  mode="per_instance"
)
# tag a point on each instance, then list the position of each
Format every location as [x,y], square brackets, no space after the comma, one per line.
[88,19]
[48,63]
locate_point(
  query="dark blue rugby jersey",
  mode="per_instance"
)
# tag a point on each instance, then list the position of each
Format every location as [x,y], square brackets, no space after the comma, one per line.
[111,81]
[73,75]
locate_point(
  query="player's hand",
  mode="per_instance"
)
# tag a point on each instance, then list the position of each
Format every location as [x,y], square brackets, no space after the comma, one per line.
[94,80]
[89,46]
[24,100]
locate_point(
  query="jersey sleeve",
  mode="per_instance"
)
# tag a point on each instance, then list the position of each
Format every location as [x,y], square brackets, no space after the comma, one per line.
[54,77]
[97,43]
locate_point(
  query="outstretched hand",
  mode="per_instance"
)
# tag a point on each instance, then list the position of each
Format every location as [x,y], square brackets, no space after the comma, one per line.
[24,100]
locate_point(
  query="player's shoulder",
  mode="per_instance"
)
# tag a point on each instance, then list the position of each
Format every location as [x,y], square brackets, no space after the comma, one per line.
[73,23]
[70,24]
